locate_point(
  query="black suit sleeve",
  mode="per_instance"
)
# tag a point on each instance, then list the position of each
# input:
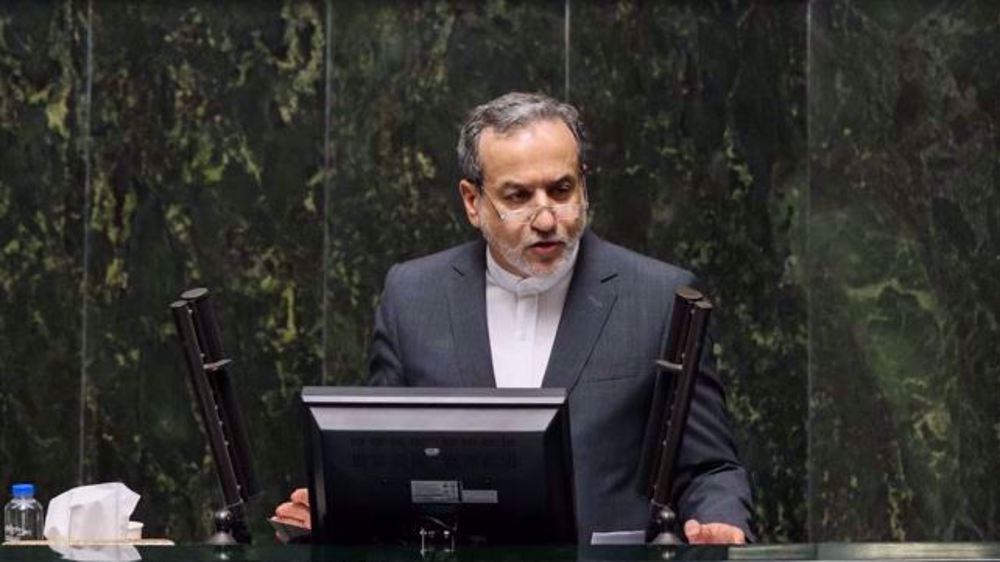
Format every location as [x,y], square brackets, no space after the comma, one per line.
[385,366]
[711,484]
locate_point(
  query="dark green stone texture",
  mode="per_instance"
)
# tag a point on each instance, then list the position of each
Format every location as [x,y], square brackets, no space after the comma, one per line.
[829,169]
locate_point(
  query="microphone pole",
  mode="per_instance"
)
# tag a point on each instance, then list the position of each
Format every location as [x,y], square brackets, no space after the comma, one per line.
[676,375]
[213,390]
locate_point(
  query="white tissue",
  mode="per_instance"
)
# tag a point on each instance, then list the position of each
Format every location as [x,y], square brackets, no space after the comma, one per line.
[98,512]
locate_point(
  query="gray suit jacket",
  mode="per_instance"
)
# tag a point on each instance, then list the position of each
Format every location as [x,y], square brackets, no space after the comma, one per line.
[431,330]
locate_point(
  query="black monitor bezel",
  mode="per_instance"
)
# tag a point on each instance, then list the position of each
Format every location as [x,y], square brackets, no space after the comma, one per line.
[561,505]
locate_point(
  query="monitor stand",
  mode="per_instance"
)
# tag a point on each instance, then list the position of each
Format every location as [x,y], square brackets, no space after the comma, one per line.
[230,527]
[437,535]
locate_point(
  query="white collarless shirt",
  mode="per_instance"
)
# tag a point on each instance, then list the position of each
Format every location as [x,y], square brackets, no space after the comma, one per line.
[523,316]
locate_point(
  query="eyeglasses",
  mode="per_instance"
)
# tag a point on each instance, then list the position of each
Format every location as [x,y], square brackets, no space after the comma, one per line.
[561,212]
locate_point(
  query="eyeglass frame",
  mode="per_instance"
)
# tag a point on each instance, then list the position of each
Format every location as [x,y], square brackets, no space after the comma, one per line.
[530,217]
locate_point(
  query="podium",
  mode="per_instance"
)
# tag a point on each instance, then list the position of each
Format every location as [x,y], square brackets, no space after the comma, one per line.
[304,553]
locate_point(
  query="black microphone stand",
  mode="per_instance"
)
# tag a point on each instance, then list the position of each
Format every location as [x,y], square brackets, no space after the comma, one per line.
[221,416]
[672,391]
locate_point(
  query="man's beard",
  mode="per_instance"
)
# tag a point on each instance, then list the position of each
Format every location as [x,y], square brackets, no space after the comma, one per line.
[515,254]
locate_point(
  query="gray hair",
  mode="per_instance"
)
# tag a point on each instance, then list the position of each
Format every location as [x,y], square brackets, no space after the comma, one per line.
[508,112]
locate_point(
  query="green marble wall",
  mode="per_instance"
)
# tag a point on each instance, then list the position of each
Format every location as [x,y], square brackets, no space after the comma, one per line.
[698,117]
[827,168]
[904,257]
[42,53]
[207,170]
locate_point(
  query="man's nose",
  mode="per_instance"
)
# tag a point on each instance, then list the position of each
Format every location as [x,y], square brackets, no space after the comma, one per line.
[544,219]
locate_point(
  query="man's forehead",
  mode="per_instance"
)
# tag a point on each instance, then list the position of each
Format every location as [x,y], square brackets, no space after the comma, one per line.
[540,151]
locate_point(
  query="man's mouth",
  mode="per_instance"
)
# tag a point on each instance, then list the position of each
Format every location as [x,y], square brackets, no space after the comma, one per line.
[547,248]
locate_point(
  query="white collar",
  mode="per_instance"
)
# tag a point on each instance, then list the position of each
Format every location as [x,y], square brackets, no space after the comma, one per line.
[521,286]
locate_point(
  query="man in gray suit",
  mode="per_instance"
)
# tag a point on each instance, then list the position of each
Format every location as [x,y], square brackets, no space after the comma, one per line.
[542,301]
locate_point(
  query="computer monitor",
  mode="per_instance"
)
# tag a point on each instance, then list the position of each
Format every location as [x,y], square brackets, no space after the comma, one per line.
[489,466]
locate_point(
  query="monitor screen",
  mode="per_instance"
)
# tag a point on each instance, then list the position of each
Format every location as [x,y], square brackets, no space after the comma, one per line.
[386,464]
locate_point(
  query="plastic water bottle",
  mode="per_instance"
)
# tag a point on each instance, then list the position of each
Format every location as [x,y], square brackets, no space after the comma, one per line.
[23,516]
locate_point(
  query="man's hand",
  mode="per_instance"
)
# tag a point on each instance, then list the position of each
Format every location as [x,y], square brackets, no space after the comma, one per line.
[713,533]
[296,511]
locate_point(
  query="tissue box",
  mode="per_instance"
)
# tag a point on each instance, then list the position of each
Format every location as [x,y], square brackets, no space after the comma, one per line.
[95,513]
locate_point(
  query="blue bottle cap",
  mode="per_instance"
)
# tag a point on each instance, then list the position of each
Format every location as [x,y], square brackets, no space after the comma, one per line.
[21,490]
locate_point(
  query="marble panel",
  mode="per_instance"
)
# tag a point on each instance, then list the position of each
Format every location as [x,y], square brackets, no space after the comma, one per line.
[697,113]
[42,116]
[207,171]
[404,75]
[903,269]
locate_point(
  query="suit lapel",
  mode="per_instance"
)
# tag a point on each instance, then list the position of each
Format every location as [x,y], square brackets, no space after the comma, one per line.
[591,296]
[466,292]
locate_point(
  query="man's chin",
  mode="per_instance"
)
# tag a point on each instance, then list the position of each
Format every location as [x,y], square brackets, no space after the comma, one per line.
[545,269]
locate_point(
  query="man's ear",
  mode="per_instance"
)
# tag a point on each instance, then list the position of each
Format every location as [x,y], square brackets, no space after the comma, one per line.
[470,195]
